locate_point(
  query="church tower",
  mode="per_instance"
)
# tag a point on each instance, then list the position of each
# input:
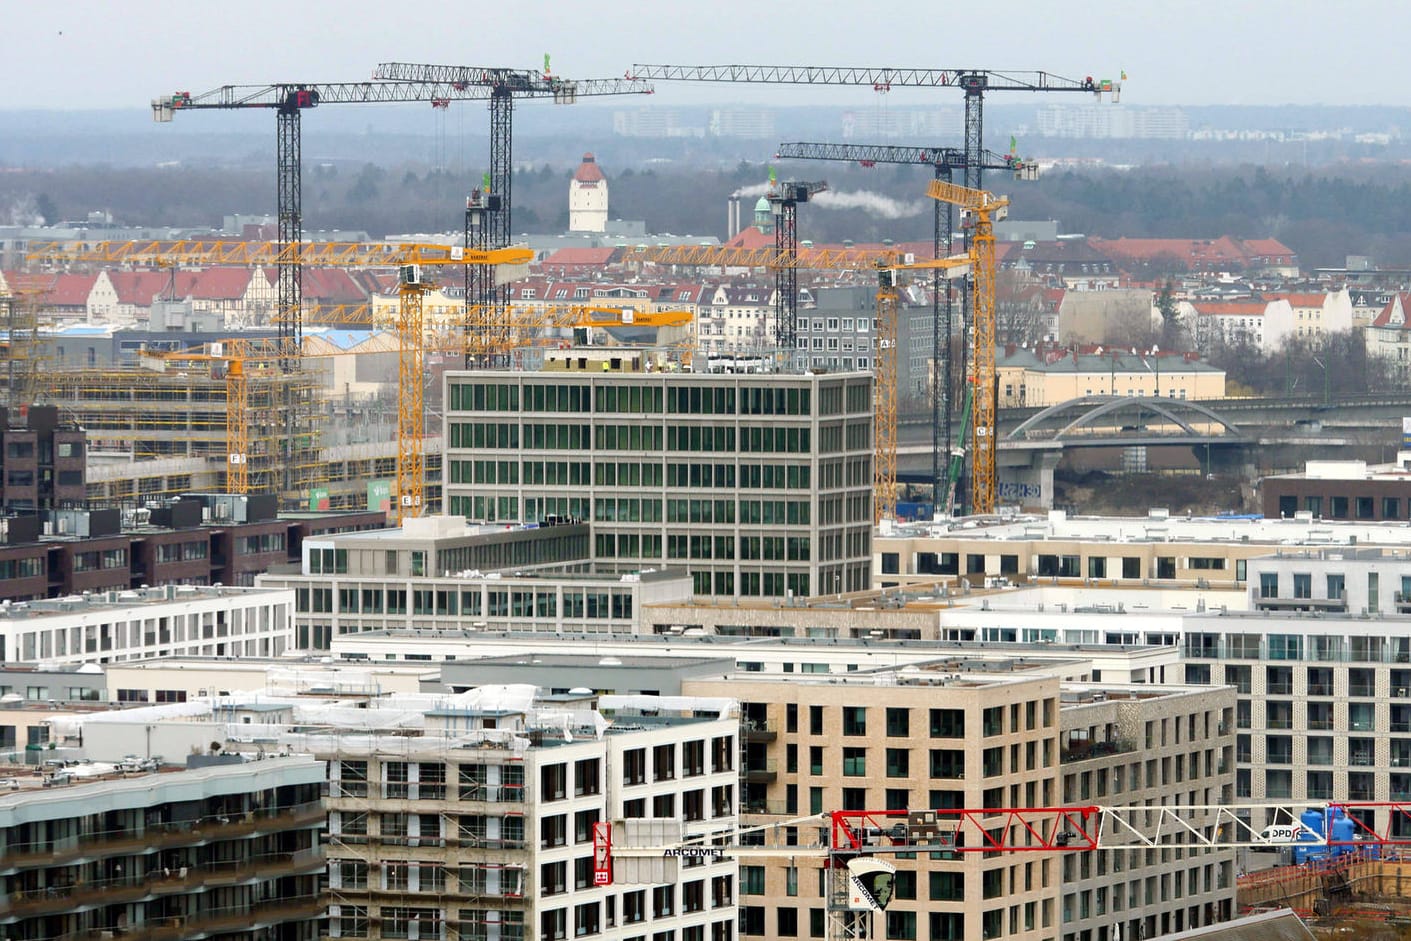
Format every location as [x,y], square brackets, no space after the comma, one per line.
[588,198]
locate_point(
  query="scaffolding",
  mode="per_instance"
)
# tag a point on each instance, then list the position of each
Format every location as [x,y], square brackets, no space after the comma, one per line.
[168,410]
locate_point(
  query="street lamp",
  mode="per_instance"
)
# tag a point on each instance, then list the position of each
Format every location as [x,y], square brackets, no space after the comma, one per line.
[1154,353]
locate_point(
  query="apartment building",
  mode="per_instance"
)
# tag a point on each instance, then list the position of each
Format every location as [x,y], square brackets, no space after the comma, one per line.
[1161,549]
[482,827]
[773,473]
[812,745]
[149,622]
[1134,745]
[224,847]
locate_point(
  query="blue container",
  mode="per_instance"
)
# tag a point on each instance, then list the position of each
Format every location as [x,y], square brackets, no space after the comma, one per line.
[1313,822]
[1343,831]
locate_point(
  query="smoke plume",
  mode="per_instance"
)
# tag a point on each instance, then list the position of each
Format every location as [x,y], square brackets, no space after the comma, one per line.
[876,204]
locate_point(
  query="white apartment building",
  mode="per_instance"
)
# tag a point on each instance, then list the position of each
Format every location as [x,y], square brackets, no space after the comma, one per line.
[483,826]
[113,626]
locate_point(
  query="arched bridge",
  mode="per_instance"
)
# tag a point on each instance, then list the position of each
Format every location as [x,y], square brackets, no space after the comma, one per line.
[1108,421]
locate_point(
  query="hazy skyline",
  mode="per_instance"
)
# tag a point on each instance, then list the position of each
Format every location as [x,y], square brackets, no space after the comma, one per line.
[101,55]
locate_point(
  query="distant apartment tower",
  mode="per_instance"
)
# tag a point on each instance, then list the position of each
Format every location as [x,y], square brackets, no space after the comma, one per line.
[749,123]
[1108,121]
[759,485]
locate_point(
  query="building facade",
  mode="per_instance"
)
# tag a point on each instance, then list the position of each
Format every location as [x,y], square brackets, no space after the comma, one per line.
[483,828]
[438,573]
[230,849]
[772,472]
[149,622]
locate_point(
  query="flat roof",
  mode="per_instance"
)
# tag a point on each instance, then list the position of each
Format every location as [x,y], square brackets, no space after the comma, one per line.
[119,600]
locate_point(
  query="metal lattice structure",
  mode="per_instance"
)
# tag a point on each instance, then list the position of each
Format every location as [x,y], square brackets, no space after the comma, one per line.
[943,161]
[502,87]
[784,203]
[986,209]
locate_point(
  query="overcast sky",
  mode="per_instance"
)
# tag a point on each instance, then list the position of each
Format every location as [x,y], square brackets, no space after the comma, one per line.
[77,54]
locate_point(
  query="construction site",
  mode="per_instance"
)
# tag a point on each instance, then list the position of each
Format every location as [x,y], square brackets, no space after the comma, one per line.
[459,388]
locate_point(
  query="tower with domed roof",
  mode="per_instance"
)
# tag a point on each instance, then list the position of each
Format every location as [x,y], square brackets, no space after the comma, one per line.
[588,198]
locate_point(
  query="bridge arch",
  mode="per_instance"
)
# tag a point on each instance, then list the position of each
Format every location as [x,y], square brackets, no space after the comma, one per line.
[1089,416]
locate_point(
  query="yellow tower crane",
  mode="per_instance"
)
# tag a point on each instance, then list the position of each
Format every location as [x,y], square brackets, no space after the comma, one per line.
[408,258]
[884,387]
[985,209]
[411,378]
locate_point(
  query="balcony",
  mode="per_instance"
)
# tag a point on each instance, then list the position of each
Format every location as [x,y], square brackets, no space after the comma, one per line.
[136,887]
[1320,724]
[1362,759]
[1082,750]
[163,836]
[759,772]
[237,919]
[1364,690]
[1320,689]
[755,731]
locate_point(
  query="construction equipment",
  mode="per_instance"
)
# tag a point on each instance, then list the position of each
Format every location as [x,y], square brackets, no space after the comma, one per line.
[628,852]
[884,387]
[784,199]
[501,87]
[973,82]
[410,327]
[887,263]
[411,378]
[943,161]
[986,209]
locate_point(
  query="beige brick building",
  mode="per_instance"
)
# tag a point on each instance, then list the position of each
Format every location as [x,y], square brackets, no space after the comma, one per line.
[982,738]
[856,743]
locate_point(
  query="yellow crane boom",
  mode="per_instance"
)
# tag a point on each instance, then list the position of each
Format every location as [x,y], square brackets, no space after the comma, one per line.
[987,209]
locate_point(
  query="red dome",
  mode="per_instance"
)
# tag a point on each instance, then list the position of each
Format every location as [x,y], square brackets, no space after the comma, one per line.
[588,171]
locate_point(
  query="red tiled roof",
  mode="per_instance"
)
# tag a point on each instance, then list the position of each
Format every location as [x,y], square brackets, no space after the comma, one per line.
[71,290]
[751,238]
[221,284]
[1299,300]
[579,257]
[1383,319]
[588,171]
[331,285]
[139,288]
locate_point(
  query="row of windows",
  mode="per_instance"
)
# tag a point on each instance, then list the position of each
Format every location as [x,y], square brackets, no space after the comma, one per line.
[1342,507]
[684,400]
[574,603]
[942,723]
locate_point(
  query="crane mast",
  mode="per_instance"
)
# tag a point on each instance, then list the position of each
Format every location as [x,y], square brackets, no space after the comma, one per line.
[943,161]
[501,88]
[974,83]
[784,204]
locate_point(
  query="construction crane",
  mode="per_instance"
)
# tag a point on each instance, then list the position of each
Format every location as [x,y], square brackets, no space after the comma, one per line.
[501,87]
[784,199]
[854,844]
[986,209]
[411,378]
[888,263]
[406,257]
[884,386]
[943,161]
[974,83]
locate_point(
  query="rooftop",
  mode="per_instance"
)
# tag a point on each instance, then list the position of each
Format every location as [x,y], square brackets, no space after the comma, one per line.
[120,600]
